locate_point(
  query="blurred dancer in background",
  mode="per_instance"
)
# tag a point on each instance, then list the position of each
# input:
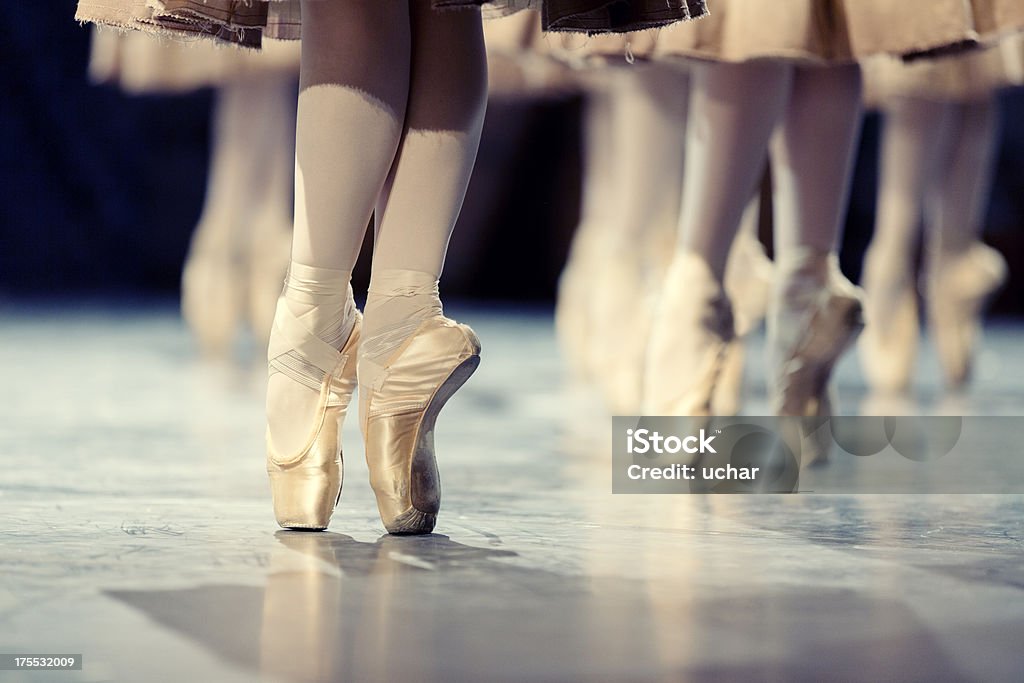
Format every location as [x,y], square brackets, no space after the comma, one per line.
[623,246]
[628,208]
[634,110]
[632,159]
[937,162]
[519,60]
[239,249]
[781,76]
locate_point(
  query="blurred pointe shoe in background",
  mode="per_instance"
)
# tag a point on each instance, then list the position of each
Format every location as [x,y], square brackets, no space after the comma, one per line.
[958,287]
[815,316]
[212,290]
[267,263]
[749,275]
[690,337]
[888,348]
[573,301]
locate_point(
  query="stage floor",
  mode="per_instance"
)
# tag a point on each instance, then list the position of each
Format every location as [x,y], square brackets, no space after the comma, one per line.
[136,530]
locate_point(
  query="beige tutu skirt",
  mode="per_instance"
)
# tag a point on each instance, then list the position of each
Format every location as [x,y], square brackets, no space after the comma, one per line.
[967,77]
[143,63]
[518,62]
[837,31]
[524,61]
[246,22]
[582,51]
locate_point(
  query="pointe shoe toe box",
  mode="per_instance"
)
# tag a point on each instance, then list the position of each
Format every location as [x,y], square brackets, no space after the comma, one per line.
[399,413]
[306,484]
[305,497]
[307,487]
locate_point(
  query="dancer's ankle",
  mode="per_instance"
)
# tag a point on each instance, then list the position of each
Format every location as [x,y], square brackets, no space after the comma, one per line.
[396,303]
[322,298]
[316,308]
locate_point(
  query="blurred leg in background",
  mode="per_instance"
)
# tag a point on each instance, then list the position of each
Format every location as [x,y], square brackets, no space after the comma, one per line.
[239,250]
[937,162]
[733,111]
[962,273]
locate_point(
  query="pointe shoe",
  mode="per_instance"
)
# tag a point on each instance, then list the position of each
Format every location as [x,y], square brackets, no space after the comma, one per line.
[306,486]
[573,320]
[211,297]
[623,303]
[727,397]
[958,288]
[749,275]
[888,347]
[690,338]
[815,317]
[748,282]
[620,322]
[397,413]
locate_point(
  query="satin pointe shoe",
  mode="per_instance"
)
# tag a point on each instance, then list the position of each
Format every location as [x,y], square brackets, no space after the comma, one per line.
[888,347]
[306,485]
[625,298]
[727,399]
[749,274]
[815,316]
[399,402]
[573,320]
[619,330]
[211,294]
[958,287]
[690,337]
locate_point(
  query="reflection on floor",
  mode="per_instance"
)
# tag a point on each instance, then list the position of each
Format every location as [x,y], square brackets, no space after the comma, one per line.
[137,532]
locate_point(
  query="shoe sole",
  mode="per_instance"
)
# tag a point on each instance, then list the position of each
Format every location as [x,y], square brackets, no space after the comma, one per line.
[413,520]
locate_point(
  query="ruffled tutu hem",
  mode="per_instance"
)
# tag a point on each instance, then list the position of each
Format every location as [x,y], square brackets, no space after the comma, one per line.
[141,63]
[972,76]
[247,22]
[839,31]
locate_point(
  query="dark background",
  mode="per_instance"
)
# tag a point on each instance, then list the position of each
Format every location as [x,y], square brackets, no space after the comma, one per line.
[101,190]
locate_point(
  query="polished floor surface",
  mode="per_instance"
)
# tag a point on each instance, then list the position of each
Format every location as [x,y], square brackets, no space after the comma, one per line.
[135,529]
